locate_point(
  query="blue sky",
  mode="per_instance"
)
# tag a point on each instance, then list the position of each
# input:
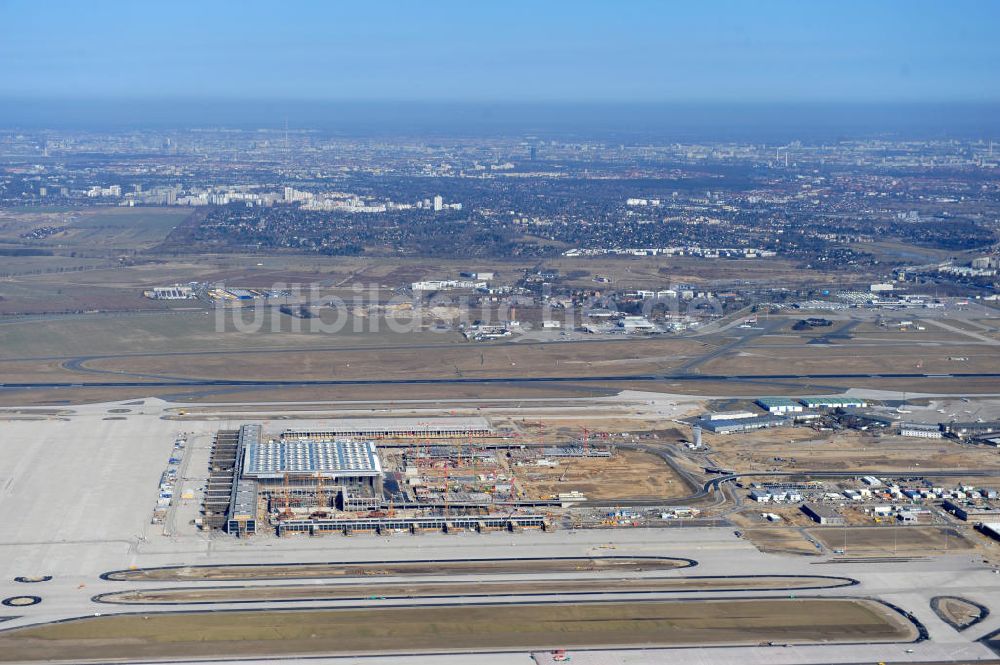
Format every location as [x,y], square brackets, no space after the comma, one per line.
[504,51]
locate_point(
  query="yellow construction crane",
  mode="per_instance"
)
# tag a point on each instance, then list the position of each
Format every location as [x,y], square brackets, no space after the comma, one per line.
[286,491]
[320,491]
[446,491]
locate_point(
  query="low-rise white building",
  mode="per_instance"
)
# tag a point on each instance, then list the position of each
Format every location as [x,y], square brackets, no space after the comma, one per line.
[175,292]
[920,430]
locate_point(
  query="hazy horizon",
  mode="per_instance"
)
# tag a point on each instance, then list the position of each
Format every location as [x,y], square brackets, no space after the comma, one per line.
[674,121]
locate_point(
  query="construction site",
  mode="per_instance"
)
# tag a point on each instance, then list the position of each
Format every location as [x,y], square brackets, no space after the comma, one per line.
[452,475]
[307,470]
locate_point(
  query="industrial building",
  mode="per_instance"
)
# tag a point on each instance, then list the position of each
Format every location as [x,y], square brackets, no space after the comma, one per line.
[965,430]
[175,292]
[921,430]
[634,324]
[833,402]
[823,515]
[730,415]
[971,512]
[991,529]
[383,428]
[737,425]
[779,405]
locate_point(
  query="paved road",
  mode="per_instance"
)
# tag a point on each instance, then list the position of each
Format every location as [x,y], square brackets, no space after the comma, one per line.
[751,334]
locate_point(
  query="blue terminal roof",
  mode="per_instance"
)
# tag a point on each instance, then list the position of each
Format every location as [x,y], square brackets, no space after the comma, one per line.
[339,457]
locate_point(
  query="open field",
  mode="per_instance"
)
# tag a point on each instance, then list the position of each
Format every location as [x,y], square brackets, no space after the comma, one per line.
[881,540]
[443,628]
[454,589]
[121,228]
[803,448]
[40,266]
[780,540]
[870,357]
[445,357]
[99,228]
[393,568]
[29,296]
[188,344]
[184,332]
[97,238]
[629,474]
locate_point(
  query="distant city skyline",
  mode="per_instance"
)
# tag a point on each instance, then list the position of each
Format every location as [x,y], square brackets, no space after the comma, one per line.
[814,122]
[504,52]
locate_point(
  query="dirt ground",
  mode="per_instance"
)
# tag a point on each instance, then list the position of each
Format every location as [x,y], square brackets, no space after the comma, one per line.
[780,540]
[886,540]
[789,449]
[441,358]
[483,567]
[431,589]
[564,625]
[629,474]
[108,227]
[869,357]
[958,612]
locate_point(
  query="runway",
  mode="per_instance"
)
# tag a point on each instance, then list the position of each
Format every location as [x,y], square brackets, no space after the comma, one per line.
[271,383]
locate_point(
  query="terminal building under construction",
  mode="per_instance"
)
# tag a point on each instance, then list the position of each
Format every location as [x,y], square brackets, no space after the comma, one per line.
[293,470]
[324,480]
[384,428]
